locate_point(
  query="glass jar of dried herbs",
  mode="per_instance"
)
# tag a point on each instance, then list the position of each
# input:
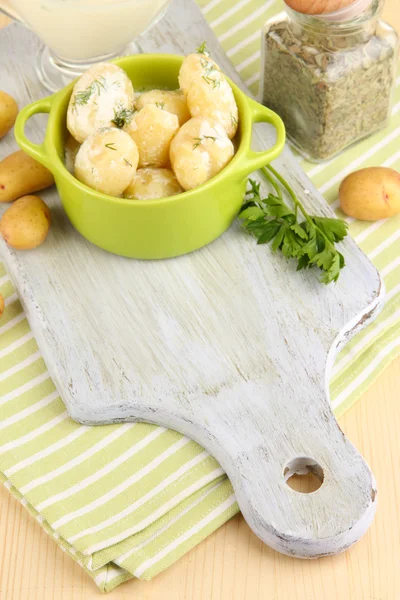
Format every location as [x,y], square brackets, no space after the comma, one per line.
[330,77]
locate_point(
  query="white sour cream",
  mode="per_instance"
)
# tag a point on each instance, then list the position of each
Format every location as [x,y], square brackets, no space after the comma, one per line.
[80,30]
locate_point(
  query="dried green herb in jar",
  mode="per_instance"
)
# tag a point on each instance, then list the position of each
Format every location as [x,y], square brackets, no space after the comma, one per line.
[329,77]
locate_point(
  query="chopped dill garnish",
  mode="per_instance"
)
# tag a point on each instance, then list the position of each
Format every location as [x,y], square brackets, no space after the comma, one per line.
[209,70]
[160,105]
[127,162]
[215,83]
[122,116]
[202,49]
[110,146]
[234,121]
[83,97]
[199,140]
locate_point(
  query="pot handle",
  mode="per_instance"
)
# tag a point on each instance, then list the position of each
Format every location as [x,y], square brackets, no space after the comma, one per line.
[37,151]
[256,160]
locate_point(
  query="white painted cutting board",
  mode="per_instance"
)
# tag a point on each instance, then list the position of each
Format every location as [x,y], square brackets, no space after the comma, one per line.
[229,345]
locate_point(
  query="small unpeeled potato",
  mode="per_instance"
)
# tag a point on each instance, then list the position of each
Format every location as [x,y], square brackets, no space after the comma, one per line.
[26,223]
[107,161]
[152,183]
[8,113]
[171,101]
[371,194]
[102,95]
[153,130]
[197,67]
[204,99]
[200,151]
[2,305]
[21,175]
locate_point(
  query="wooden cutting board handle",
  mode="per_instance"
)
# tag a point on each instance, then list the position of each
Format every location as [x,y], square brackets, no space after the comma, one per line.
[259,455]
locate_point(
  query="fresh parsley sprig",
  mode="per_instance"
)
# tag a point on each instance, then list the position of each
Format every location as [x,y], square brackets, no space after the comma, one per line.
[311,240]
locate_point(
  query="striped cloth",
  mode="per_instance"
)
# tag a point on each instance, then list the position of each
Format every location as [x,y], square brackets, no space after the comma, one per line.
[129,500]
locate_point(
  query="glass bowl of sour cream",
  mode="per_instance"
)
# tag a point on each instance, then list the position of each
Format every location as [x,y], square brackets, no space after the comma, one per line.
[79,33]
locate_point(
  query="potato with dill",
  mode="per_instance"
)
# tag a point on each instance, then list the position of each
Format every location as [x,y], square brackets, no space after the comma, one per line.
[153,129]
[197,66]
[217,103]
[208,92]
[171,101]
[102,97]
[200,151]
[153,183]
[107,161]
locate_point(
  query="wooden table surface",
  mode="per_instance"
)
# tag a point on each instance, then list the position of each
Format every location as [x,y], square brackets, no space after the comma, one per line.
[232,564]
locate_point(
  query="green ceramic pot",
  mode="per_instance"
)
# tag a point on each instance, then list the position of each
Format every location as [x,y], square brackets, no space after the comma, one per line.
[151,229]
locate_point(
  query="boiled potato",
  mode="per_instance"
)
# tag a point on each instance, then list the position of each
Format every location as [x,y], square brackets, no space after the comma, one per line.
[8,113]
[71,150]
[217,103]
[102,97]
[173,102]
[152,183]
[199,151]
[371,194]
[198,67]
[107,161]
[1,305]
[20,175]
[153,130]
[26,223]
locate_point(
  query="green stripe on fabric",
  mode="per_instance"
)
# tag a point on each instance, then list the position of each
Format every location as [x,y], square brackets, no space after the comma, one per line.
[133,498]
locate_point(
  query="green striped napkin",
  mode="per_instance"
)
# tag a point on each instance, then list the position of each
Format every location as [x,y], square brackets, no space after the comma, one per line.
[129,500]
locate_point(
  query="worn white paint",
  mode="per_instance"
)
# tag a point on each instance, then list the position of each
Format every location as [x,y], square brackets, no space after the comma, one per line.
[228,345]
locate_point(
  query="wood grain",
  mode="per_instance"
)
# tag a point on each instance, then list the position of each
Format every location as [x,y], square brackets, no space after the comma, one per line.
[232,563]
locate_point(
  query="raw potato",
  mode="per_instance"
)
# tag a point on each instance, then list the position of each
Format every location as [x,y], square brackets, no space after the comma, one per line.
[199,151]
[173,102]
[8,113]
[107,161]
[21,175]
[195,68]
[217,103]
[152,183]
[153,130]
[26,223]
[1,305]
[371,194]
[102,94]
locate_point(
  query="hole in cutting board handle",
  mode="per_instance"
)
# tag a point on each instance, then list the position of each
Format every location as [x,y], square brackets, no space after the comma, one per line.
[304,475]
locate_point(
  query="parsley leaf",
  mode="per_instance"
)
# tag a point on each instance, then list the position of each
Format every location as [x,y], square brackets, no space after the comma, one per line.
[311,241]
